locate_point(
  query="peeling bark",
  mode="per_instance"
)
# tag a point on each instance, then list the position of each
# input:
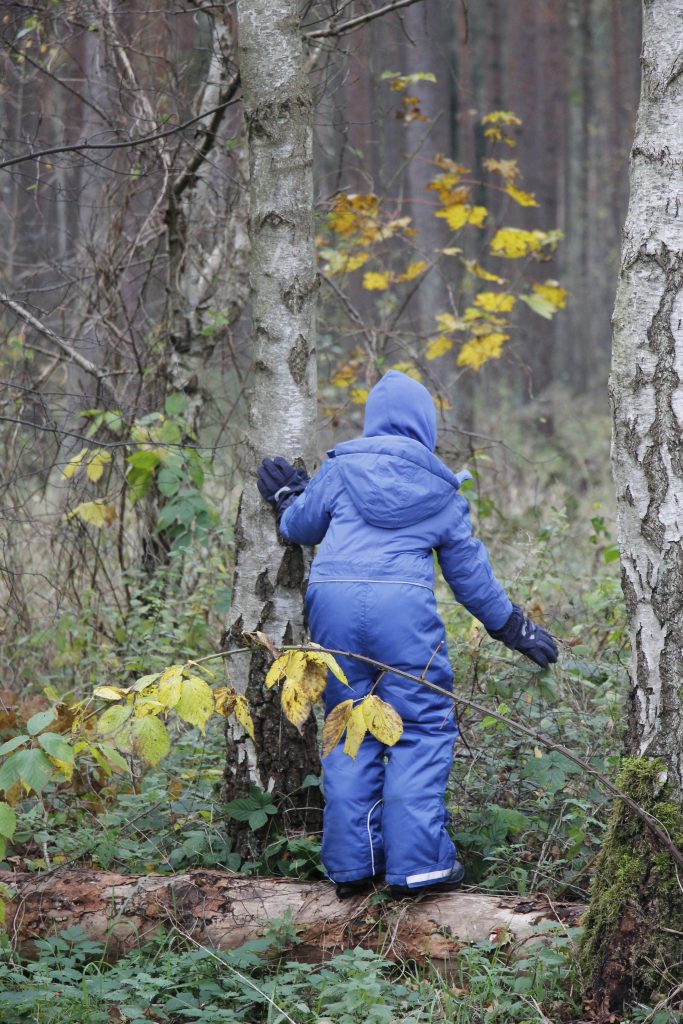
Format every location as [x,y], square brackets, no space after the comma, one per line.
[225,910]
[632,944]
[270,575]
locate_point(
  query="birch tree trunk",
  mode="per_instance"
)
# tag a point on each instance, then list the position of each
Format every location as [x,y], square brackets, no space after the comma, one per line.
[269,574]
[634,931]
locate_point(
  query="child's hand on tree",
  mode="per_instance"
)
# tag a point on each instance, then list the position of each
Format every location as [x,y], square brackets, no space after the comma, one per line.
[280,483]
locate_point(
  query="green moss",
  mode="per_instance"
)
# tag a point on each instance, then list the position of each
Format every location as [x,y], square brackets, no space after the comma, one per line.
[624,949]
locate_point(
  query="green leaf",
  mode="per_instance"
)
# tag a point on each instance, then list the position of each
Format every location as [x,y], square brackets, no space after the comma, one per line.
[56,746]
[168,482]
[41,720]
[30,767]
[196,702]
[169,433]
[144,460]
[8,821]
[113,718]
[113,757]
[540,305]
[12,744]
[611,553]
[175,404]
[150,739]
[257,819]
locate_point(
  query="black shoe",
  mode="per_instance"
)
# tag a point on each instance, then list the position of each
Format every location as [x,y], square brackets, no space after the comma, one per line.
[449,884]
[345,890]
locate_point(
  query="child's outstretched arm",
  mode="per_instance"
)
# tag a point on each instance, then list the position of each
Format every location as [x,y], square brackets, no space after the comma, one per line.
[465,564]
[299,503]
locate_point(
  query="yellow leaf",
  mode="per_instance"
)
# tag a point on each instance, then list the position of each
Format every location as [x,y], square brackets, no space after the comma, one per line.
[501,117]
[455,216]
[109,692]
[295,703]
[523,198]
[409,369]
[358,396]
[150,739]
[96,465]
[495,302]
[447,322]
[551,292]
[334,726]
[330,662]
[538,752]
[314,679]
[342,262]
[149,704]
[474,268]
[438,347]
[225,700]
[412,271]
[446,164]
[289,666]
[477,351]
[243,715]
[170,686]
[450,193]
[94,513]
[355,731]
[508,169]
[450,250]
[344,375]
[65,767]
[514,243]
[196,702]
[351,212]
[277,671]
[442,403]
[73,464]
[478,216]
[374,282]
[383,721]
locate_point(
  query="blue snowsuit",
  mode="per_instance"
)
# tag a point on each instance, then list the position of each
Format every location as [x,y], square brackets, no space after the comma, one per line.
[379,508]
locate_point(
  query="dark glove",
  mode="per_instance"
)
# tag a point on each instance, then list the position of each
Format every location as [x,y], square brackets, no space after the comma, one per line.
[280,483]
[523,635]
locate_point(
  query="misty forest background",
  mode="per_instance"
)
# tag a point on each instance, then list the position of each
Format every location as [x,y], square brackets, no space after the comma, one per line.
[125,333]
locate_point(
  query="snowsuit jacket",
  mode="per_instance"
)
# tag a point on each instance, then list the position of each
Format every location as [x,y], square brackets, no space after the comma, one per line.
[379,508]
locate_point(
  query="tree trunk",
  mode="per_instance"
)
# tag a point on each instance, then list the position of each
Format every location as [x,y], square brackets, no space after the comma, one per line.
[270,575]
[635,926]
[225,910]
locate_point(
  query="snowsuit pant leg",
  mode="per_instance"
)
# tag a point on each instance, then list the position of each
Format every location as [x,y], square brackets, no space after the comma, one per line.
[398,625]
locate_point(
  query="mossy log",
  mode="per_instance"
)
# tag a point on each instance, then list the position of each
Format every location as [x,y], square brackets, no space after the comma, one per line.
[224,910]
[632,942]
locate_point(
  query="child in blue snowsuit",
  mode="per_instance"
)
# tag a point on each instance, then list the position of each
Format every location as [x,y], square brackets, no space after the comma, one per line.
[379,508]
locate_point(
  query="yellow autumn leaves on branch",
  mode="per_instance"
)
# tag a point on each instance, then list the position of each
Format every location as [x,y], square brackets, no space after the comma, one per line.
[357,224]
[134,719]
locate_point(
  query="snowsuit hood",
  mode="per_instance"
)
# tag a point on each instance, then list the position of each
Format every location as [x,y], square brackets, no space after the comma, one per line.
[391,474]
[399,405]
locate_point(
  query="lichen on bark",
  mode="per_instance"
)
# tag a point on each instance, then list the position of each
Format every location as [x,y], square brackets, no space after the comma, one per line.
[632,942]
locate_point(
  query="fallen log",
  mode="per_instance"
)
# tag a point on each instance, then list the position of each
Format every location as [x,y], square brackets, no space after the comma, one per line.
[223,910]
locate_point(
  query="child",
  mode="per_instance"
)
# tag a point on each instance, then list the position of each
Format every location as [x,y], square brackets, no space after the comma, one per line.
[379,508]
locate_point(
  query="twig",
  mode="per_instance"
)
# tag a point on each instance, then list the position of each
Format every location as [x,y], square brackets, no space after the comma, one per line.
[47,332]
[82,147]
[362,19]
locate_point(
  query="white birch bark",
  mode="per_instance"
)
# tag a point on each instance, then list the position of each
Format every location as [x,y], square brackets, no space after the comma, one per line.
[647,396]
[270,575]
